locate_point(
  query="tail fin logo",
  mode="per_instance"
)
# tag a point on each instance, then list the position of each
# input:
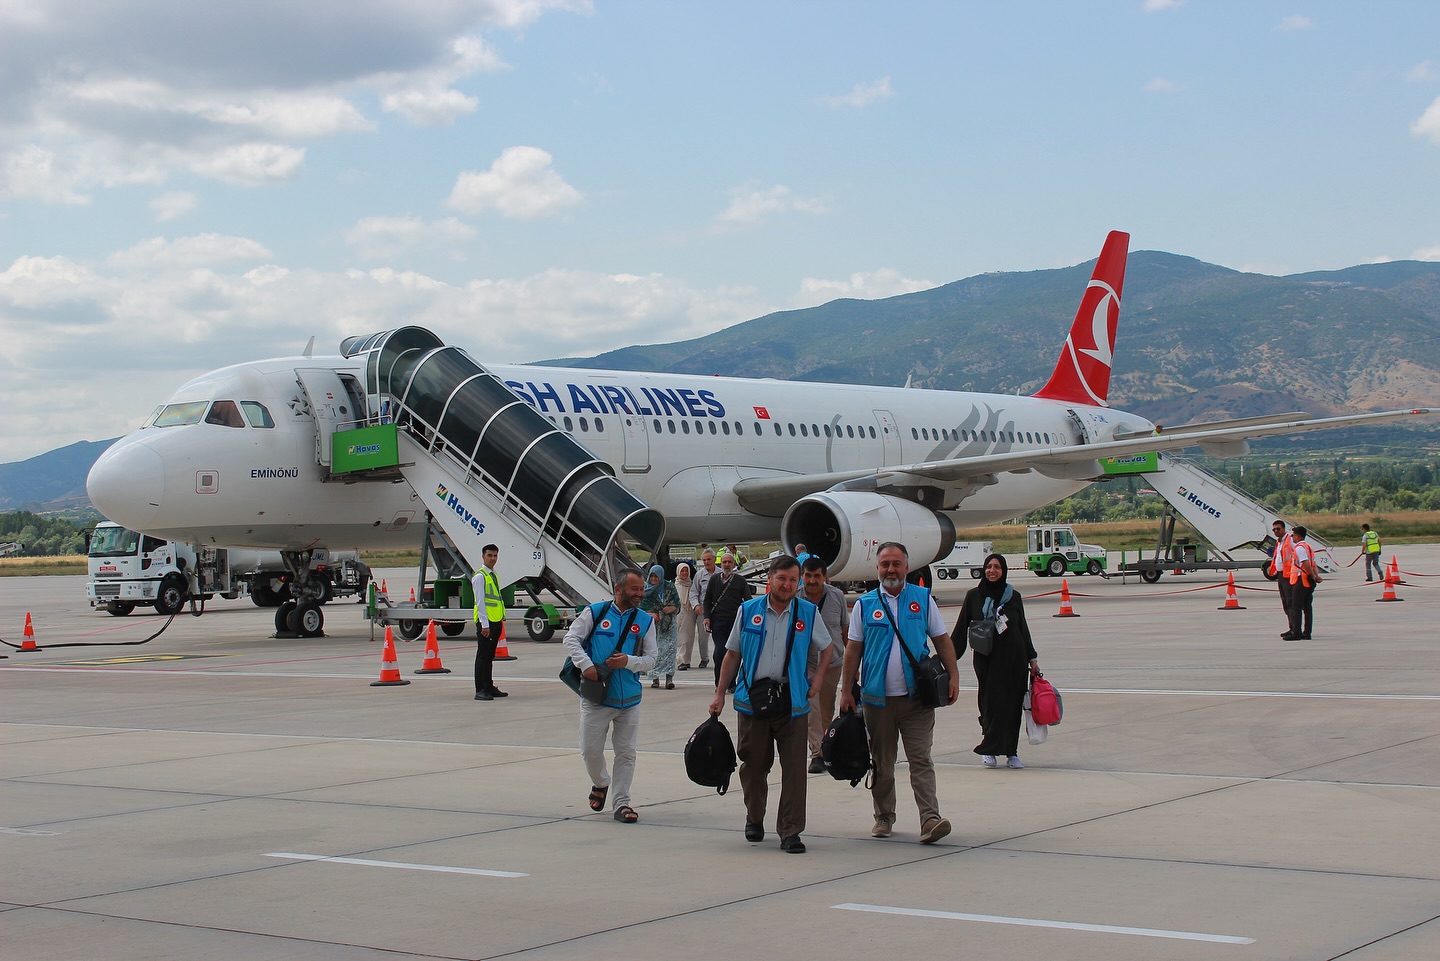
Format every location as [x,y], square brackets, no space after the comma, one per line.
[1082,373]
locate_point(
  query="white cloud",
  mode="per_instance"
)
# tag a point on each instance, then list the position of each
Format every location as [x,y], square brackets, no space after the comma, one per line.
[185,252]
[131,95]
[1428,125]
[173,205]
[862,94]
[875,285]
[520,184]
[1161,85]
[1422,72]
[251,164]
[33,282]
[1427,253]
[381,238]
[1295,22]
[751,205]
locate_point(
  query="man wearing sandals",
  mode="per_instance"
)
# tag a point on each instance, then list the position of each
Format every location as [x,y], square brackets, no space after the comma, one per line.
[622,637]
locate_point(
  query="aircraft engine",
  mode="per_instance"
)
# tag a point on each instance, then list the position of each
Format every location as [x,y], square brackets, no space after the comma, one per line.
[845,528]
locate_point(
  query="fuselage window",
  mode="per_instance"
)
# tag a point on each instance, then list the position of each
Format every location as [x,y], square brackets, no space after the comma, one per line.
[712,427]
[827,430]
[178,415]
[569,425]
[725,426]
[803,432]
[915,433]
[849,430]
[872,432]
[585,424]
[778,432]
[599,425]
[1047,438]
[757,428]
[685,426]
[792,430]
[739,428]
[657,425]
[256,414]
[671,425]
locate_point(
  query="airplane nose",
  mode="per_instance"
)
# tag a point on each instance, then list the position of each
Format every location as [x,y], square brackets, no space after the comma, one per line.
[127,485]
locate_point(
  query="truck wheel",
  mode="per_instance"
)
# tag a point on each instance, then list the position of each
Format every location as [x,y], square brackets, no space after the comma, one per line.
[976,573]
[1093,568]
[1149,577]
[307,620]
[1056,566]
[282,617]
[263,596]
[327,591]
[538,626]
[452,628]
[1268,576]
[411,629]
[942,573]
[171,596]
[120,608]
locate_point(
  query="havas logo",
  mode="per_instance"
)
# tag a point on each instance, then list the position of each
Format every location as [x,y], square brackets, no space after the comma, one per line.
[453,502]
[354,449]
[1190,497]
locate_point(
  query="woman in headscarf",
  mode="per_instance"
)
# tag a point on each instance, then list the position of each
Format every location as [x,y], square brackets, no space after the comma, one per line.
[661,600]
[1004,673]
[685,637]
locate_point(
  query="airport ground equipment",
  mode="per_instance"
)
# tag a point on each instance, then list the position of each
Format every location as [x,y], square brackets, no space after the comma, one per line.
[967,556]
[10,547]
[127,569]
[484,465]
[1226,520]
[1052,550]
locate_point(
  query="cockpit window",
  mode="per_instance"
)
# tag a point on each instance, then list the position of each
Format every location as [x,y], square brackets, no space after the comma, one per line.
[225,414]
[256,413]
[178,415]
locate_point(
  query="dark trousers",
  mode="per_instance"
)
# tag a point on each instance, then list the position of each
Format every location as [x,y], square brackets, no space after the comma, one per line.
[485,657]
[1302,614]
[719,634]
[1286,589]
[756,748]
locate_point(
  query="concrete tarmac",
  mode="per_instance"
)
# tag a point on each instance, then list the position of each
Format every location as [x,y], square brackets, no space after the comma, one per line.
[1214,792]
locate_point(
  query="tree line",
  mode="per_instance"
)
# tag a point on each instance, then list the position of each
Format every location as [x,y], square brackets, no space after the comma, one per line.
[42,536]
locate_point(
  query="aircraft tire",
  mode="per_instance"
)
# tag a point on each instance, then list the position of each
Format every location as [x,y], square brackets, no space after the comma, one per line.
[307,620]
[282,617]
[120,608]
[327,592]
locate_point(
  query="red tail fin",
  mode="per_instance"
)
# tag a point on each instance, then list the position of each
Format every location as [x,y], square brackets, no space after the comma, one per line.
[1082,374]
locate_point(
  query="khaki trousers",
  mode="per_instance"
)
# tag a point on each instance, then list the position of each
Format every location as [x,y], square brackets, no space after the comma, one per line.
[758,744]
[902,720]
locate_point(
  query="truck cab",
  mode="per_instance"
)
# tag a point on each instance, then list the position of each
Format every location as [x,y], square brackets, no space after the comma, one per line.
[128,569]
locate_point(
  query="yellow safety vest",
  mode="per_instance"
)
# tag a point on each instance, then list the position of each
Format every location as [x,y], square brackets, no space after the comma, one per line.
[1370,541]
[494,603]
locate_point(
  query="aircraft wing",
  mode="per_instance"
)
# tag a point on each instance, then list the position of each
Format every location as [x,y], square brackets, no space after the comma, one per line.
[959,477]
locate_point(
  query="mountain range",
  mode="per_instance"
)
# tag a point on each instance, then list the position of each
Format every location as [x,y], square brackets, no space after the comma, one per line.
[1196,342]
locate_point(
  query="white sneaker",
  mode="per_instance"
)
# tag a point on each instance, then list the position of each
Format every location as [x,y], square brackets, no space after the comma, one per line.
[1015,762]
[988,760]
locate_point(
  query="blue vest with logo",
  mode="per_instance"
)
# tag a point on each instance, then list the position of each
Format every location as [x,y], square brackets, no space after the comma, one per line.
[624,688]
[752,637]
[913,618]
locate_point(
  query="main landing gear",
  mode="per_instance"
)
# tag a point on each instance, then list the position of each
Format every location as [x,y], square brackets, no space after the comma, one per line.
[300,615]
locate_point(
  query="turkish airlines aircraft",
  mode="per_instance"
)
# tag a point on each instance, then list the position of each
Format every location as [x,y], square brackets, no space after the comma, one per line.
[240,457]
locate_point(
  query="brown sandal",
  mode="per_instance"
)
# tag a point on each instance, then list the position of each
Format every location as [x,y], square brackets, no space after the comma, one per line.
[598,796]
[625,814]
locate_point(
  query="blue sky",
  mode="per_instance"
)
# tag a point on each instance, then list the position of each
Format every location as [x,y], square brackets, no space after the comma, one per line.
[185,185]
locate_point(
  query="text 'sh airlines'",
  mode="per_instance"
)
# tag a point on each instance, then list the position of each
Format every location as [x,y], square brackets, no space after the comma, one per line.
[609,399]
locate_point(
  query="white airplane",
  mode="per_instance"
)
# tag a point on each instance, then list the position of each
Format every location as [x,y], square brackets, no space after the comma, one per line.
[553,461]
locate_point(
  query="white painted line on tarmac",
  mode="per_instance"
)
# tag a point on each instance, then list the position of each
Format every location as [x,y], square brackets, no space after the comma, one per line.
[1037,923]
[441,868]
[30,832]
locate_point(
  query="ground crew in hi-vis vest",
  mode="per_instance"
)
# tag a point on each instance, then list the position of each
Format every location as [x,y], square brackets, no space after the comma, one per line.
[489,621]
[1370,550]
[1281,561]
[1303,577]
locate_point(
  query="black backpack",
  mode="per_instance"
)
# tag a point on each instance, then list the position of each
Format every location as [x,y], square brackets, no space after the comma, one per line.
[845,748]
[710,755]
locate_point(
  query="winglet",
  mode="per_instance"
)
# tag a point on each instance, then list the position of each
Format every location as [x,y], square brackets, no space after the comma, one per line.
[1082,374]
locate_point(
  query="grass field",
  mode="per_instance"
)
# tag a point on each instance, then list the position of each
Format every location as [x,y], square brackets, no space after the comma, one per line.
[1340,530]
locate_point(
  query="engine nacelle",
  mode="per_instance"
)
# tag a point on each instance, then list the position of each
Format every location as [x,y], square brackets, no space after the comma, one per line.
[846,528]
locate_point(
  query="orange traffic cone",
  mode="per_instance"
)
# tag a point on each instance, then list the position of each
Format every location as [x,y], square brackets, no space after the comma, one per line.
[1395,570]
[384,590]
[29,643]
[1389,594]
[1232,600]
[502,650]
[432,663]
[389,670]
[412,595]
[1065,609]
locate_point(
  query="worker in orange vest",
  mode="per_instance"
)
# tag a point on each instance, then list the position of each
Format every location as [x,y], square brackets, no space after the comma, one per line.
[1281,562]
[1303,578]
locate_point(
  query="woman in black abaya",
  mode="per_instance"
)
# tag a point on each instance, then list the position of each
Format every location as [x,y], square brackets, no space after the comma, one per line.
[1004,673]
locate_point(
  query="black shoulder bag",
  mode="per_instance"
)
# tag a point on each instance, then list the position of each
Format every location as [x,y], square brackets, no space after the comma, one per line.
[983,634]
[770,698]
[932,681]
[575,679]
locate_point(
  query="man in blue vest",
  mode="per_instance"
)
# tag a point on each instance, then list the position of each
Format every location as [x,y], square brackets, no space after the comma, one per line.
[893,614]
[771,643]
[622,637]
